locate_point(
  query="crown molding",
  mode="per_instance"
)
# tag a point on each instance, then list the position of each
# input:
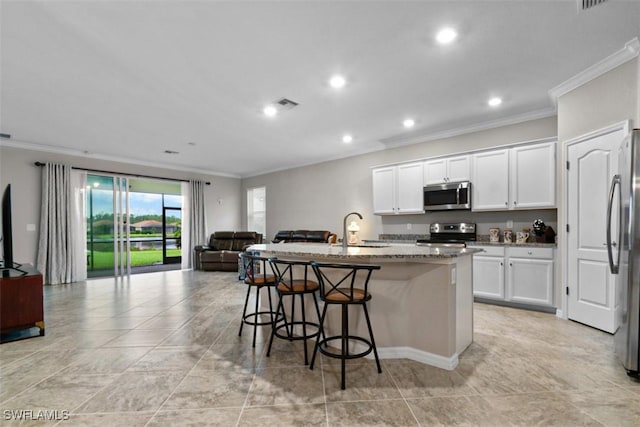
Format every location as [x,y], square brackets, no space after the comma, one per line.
[630,51]
[397,141]
[23,145]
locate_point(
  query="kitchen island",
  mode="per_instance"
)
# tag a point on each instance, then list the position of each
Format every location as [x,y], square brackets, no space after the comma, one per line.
[422,298]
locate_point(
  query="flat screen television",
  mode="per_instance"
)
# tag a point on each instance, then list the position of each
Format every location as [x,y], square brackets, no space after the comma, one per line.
[7,238]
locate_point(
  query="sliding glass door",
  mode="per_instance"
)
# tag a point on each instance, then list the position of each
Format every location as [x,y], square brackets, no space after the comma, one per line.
[133,225]
[121,235]
[171,235]
[100,225]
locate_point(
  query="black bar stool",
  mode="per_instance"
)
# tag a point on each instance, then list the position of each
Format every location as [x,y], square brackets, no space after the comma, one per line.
[345,285]
[286,285]
[256,277]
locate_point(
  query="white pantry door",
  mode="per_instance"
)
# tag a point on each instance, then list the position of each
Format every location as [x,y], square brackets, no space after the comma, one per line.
[593,162]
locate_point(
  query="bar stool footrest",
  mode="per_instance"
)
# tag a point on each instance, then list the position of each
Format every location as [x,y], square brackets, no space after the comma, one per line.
[247,319]
[328,353]
[296,337]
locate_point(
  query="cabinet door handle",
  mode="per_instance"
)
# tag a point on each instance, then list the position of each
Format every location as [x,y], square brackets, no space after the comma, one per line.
[510,265]
[501,264]
[506,203]
[515,203]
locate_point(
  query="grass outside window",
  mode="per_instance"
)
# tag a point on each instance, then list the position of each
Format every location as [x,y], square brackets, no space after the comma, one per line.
[104,260]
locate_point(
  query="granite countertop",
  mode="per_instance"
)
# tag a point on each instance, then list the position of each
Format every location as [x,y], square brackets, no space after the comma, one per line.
[380,250]
[483,240]
[511,245]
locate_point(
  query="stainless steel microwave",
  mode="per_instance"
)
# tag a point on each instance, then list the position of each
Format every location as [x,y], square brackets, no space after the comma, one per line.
[447,196]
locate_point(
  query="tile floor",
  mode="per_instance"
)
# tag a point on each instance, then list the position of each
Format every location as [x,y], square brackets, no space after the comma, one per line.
[162,349]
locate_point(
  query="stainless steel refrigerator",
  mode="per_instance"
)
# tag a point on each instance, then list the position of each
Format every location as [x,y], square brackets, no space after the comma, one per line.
[623,244]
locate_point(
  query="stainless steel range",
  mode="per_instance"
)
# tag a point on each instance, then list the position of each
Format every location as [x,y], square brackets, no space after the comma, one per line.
[449,235]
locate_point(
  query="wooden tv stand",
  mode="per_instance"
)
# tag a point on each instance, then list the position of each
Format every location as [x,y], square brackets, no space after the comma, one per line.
[21,304]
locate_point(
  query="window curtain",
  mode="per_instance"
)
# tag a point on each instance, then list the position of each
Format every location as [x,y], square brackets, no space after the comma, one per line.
[62,244]
[194,220]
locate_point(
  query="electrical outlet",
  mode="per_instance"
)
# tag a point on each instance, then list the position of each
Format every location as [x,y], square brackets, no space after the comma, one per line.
[409,226]
[510,223]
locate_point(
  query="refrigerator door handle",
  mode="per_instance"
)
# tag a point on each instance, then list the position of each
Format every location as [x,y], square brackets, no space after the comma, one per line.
[613,267]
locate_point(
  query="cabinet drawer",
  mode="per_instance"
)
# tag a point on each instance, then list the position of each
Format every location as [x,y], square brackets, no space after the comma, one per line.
[531,252]
[490,250]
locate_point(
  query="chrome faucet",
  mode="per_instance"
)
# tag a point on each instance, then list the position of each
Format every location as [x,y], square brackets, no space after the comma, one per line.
[344,228]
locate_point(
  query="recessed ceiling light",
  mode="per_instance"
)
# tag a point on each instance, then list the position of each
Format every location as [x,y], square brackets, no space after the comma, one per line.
[494,102]
[337,81]
[408,123]
[446,35]
[270,110]
[347,139]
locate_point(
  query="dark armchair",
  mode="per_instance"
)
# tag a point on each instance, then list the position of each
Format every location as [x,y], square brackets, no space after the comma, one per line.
[221,254]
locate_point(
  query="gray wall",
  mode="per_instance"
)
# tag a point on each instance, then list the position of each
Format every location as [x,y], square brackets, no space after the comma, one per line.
[318,196]
[606,100]
[17,168]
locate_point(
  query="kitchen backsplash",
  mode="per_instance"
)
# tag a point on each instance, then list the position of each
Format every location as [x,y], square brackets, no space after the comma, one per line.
[402,237]
[394,225]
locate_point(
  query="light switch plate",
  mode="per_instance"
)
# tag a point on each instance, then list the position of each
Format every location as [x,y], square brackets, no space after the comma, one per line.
[31,227]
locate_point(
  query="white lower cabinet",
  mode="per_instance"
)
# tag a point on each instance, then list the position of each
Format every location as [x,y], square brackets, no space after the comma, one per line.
[517,274]
[488,273]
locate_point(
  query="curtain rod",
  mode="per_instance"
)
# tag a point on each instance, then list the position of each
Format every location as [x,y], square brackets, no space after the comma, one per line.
[126,174]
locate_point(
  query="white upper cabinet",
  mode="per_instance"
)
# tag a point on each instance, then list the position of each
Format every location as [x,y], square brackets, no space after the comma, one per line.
[410,188]
[458,168]
[522,177]
[533,176]
[384,190]
[448,169]
[490,181]
[398,189]
[518,177]
[435,171]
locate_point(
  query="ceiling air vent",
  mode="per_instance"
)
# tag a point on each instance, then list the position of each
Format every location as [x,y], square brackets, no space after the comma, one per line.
[588,4]
[286,104]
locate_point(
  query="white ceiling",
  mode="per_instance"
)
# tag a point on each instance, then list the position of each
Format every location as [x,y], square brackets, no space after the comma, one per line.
[129,80]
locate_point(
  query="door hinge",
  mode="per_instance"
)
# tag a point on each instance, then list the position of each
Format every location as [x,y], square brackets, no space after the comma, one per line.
[567,288]
[567,228]
[567,165]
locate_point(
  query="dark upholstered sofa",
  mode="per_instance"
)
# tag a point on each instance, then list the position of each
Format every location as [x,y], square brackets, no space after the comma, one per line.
[290,236]
[221,254]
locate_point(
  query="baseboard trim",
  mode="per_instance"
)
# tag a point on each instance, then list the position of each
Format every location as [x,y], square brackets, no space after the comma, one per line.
[442,362]
[532,307]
